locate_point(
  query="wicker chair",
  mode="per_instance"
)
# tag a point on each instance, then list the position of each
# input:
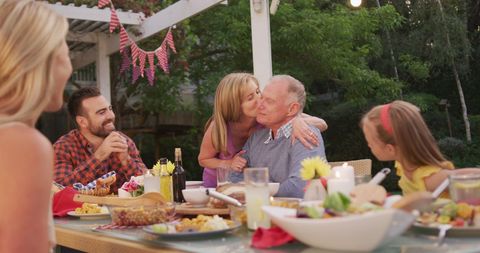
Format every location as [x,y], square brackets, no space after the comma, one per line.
[361,167]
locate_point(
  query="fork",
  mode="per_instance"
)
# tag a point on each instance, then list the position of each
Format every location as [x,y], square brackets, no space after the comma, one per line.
[443,228]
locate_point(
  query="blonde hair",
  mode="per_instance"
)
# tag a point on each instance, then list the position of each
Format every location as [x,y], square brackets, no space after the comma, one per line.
[30,34]
[409,133]
[227,107]
[295,88]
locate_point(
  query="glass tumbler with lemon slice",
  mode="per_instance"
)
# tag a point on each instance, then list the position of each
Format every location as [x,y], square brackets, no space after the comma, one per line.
[465,187]
[257,194]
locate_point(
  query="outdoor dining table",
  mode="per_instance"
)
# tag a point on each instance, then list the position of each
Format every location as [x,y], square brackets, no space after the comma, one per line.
[80,234]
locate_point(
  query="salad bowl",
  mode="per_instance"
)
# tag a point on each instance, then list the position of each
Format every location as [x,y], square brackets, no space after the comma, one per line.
[356,232]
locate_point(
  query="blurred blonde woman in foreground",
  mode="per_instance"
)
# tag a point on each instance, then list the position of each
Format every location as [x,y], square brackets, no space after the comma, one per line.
[34,68]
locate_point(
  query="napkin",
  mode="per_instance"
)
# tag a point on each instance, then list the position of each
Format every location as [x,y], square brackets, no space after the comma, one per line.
[270,237]
[93,184]
[63,202]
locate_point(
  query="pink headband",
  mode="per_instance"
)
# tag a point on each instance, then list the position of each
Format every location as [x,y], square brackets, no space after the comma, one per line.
[385,119]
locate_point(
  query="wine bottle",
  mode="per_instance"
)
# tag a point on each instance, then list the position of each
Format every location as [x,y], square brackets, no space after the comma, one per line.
[178,177]
[165,181]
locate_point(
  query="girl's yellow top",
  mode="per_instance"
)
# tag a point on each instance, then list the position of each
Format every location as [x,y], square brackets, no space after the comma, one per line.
[417,182]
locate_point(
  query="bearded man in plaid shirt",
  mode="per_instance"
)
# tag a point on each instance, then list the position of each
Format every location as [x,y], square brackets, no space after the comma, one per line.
[95,148]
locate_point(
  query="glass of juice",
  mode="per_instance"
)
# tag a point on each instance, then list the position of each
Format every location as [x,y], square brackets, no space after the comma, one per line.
[257,194]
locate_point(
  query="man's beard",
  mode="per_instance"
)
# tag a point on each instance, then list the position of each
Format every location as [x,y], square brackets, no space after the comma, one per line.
[100,131]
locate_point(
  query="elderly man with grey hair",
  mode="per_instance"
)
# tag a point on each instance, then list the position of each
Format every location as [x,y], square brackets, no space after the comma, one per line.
[282,100]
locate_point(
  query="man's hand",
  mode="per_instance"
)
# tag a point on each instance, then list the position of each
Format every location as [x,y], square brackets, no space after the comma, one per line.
[124,157]
[238,162]
[113,143]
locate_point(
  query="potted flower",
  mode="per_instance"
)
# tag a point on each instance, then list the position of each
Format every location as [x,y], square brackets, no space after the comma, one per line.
[315,170]
[132,188]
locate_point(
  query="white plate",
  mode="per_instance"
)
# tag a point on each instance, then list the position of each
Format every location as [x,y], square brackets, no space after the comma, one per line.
[103,213]
[183,235]
[452,232]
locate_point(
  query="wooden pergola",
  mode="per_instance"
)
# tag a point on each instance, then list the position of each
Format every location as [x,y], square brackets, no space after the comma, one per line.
[90,41]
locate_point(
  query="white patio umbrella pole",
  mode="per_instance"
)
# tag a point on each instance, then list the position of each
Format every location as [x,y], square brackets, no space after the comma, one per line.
[261,47]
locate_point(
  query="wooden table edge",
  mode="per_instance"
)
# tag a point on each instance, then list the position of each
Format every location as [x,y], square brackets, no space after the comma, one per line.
[96,242]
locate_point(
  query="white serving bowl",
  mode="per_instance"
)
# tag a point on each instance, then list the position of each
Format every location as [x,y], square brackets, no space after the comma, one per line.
[273,188]
[363,232]
[193,184]
[197,197]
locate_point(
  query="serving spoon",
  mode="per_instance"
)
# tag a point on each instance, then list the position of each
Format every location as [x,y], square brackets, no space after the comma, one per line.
[223,197]
[146,199]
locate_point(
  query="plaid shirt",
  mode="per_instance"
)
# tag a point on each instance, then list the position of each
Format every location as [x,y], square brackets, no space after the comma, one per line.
[75,162]
[285,130]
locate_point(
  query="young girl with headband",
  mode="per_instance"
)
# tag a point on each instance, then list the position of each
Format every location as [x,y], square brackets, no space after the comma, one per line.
[397,132]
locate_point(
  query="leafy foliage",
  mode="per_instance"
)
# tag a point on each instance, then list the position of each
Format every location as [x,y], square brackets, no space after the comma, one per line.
[339,54]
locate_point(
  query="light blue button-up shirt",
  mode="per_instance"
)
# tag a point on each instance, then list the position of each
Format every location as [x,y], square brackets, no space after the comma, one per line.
[281,157]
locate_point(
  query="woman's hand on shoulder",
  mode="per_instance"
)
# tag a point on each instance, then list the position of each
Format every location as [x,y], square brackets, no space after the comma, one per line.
[301,131]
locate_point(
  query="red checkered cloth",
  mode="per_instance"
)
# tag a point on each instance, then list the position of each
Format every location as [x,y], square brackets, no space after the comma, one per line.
[75,162]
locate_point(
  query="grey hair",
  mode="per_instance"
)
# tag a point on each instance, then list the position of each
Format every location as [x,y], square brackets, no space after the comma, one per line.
[295,88]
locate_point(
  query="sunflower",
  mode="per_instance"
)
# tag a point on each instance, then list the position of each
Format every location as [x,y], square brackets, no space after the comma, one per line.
[314,167]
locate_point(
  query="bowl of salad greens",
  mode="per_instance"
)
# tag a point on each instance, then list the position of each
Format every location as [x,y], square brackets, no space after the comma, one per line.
[338,224]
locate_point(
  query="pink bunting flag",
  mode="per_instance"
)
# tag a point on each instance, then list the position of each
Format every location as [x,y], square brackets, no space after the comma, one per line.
[142,56]
[125,61]
[169,39]
[102,3]
[114,21]
[150,76]
[123,38]
[135,74]
[135,50]
[163,57]
[151,62]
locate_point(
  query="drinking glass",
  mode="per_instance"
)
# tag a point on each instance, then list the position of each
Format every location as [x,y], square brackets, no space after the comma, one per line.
[465,187]
[257,195]
[151,183]
[223,176]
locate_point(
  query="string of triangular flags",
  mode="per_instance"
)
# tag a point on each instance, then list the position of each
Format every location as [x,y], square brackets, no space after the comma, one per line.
[138,54]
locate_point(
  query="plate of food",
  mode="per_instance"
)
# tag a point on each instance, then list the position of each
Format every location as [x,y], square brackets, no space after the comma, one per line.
[464,219]
[199,227]
[90,211]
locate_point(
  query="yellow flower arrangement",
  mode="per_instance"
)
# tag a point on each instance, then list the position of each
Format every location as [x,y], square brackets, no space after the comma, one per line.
[170,167]
[314,167]
[156,168]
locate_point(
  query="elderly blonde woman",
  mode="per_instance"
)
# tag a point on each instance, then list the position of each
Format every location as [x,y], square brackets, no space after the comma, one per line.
[34,69]
[234,121]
